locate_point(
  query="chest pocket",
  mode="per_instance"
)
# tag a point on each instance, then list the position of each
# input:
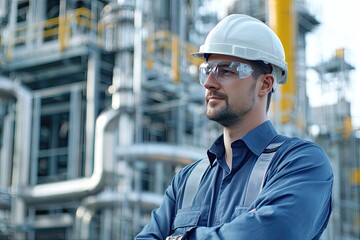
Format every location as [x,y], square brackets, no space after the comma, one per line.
[185,219]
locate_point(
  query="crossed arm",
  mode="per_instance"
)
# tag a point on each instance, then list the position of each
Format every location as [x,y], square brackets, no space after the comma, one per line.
[294,204]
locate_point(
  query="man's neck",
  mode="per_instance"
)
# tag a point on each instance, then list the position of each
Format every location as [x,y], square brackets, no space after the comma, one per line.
[234,133]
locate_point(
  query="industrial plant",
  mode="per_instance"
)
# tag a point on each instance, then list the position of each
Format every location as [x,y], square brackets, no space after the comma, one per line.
[100,106]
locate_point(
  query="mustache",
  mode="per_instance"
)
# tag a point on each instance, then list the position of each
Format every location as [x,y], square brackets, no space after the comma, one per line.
[215,94]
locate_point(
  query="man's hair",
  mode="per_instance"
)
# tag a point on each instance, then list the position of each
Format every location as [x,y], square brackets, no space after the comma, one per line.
[261,67]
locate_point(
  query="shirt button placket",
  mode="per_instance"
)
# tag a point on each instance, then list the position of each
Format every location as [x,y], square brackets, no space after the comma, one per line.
[220,204]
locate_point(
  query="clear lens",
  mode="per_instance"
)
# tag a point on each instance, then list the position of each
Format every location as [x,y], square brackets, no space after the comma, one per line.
[244,70]
[204,71]
[224,71]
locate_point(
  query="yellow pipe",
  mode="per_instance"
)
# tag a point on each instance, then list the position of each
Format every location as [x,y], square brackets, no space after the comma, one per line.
[61,33]
[150,50]
[355,176]
[175,61]
[282,20]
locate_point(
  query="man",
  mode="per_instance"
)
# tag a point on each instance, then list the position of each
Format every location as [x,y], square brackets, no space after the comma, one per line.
[244,60]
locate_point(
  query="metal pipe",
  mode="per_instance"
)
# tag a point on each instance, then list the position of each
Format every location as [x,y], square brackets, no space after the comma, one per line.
[21,160]
[108,199]
[78,188]
[6,149]
[92,106]
[161,152]
[138,70]
[3,9]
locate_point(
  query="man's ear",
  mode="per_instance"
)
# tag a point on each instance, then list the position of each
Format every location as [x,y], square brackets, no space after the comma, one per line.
[267,83]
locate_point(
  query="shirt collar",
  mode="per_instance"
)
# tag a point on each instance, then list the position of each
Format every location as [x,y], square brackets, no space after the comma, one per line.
[260,137]
[216,150]
[256,140]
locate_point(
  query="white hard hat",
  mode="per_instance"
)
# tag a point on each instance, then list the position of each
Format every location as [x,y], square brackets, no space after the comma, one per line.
[248,38]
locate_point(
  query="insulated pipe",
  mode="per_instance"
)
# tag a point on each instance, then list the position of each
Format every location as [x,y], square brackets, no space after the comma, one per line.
[7,148]
[21,159]
[92,106]
[78,188]
[109,199]
[161,152]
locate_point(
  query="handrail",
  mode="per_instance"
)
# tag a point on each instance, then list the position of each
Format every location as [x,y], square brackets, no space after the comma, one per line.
[167,43]
[57,28]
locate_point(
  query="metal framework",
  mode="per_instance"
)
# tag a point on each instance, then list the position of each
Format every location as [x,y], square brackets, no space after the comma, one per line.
[100,106]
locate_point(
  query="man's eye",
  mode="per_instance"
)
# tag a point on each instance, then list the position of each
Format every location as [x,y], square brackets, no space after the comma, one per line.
[226,71]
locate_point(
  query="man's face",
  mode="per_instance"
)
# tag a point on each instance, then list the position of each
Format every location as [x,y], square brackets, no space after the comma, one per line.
[229,99]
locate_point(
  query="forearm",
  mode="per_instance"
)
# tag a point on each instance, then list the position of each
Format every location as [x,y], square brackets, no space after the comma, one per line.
[257,225]
[262,224]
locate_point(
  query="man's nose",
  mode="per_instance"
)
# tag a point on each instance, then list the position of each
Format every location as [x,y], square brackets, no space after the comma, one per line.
[211,81]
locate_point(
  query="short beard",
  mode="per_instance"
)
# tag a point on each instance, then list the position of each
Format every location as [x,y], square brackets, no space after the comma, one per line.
[227,116]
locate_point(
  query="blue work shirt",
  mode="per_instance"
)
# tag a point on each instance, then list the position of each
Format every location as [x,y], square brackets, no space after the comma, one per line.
[295,202]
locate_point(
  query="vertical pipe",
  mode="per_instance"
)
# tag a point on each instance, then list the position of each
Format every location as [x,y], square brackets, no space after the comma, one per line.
[123,17]
[62,25]
[74,155]
[302,103]
[94,21]
[282,20]
[3,8]
[31,218]
[93,76]
[337,208]
[138,177]
[175,6]
[12,27]
[106,224]
[36,141]
[30,23]
[6,148]
[54,143]
[180,117]
[123,78]
[159,177]
[138,70]
[21,160]
[175,70]
[40,16]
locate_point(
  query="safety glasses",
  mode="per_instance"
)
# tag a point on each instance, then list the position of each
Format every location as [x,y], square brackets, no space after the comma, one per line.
[224,71]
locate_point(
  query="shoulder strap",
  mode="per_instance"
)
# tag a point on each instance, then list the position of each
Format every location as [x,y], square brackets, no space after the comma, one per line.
[258,172]
[193,182]
[256,179]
